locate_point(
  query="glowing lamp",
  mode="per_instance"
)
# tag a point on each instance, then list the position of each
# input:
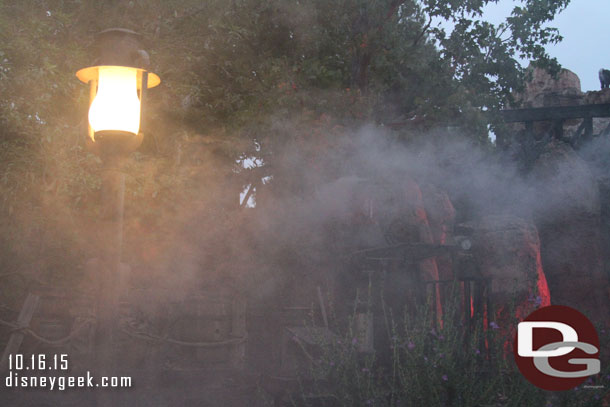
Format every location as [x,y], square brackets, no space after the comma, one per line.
[116,105]
[118,83]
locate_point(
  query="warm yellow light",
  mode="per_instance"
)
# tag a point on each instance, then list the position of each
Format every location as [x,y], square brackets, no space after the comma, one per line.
[116,105]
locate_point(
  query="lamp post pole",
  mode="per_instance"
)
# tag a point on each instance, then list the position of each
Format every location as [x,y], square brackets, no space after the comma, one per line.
[118,82]
[108,283]
[113,196]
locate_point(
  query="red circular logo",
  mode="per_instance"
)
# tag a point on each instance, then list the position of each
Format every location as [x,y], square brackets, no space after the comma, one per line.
[556,348]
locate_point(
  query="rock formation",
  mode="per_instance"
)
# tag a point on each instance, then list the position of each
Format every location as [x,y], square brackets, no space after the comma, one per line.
[543,90]
[566,209]
[441,215]
[565,195]
[507,250]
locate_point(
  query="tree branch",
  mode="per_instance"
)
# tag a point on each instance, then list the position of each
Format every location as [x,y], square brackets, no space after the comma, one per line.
[423,31]
[393,9]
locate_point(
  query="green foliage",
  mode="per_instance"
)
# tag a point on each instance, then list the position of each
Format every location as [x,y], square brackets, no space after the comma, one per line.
[231,71]
[432,366]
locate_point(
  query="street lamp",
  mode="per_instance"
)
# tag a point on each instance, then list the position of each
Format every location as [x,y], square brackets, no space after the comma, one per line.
[118,82]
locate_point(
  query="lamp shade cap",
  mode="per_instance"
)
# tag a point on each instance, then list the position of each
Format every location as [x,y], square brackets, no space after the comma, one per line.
[120,47]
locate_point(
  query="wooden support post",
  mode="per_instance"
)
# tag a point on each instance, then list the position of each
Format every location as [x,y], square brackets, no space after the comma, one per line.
[479,289]
[467,304]
[558,129]
[23,320]
[478,298]
[435,304]
[529,129]
[322,307]
[588,121]
[490,317]
[528,143]
[238,330]
[364,328]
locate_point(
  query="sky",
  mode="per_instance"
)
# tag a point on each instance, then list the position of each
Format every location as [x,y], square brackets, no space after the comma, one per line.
[585,27]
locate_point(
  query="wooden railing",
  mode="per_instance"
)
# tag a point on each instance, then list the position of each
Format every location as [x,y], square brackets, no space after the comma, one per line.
[558,115]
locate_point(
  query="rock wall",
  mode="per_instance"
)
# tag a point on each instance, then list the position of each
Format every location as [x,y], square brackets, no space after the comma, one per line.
[508,251]
[567,211]
[544,90]
[565,196]
[441,216]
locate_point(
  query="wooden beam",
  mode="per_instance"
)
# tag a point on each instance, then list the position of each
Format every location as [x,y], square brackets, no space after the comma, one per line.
[555,113]
[23,320]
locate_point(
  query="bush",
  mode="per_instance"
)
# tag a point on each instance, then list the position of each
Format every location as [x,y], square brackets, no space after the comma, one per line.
[431,366]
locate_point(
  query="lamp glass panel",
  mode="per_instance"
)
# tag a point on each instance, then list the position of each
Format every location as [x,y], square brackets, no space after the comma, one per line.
[116,105]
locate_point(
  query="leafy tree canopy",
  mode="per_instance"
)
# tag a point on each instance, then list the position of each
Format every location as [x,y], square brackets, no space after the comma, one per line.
[231,71]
